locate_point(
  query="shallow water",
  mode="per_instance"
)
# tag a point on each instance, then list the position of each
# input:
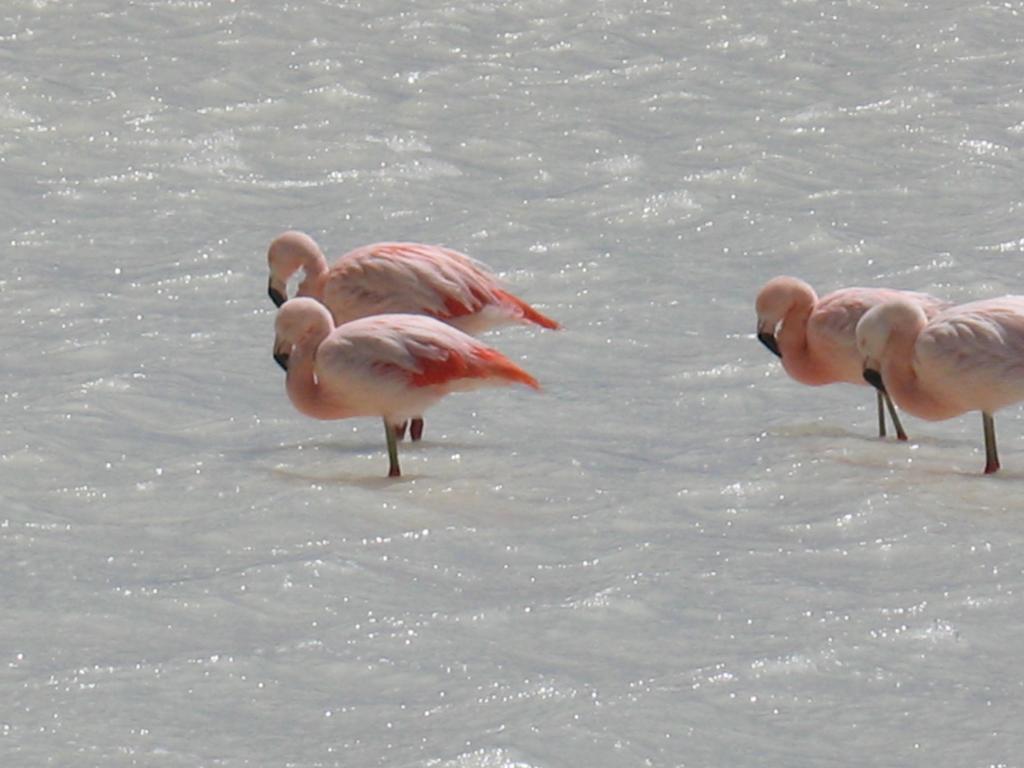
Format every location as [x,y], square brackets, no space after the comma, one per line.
[672,556]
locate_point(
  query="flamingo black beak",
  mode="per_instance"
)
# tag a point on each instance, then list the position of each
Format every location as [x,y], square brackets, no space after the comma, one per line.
[768,339]
[874,378]
[276,296]
[281,356]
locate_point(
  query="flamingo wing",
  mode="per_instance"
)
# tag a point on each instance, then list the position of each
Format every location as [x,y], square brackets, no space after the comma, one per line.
[932,305]
[831,331]
[408,277]
[832,326]
[972,355]
[838,313]
[399,364]
[987,334]
[466,370]
[431,353]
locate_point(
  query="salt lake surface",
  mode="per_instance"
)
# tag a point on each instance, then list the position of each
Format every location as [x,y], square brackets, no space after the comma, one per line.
[672,556]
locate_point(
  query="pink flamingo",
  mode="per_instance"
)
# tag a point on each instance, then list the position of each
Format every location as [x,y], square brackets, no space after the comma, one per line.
[966,358]
[383,278]
[392,365]
[817,337]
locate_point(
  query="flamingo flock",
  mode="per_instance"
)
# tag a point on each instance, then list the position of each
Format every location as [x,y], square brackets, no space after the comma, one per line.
[389,330]
[386,330]
[815,338]
[932,359]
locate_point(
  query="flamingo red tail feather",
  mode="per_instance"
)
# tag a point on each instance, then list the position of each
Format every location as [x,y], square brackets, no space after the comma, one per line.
[529,313]
[483,363]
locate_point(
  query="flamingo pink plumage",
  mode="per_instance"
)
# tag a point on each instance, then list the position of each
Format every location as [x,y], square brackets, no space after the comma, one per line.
[816,338]
[384,278]
[392,365]
[967,358]
[387,277]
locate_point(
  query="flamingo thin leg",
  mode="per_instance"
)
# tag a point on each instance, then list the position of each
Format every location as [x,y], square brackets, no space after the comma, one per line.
[416,429]
[881,413]
[991,455]
[393,469]
[900,434]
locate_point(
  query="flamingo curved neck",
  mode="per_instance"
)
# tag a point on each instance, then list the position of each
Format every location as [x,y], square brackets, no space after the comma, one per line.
[294,251]
[315,279]
[307,394]
[797,358]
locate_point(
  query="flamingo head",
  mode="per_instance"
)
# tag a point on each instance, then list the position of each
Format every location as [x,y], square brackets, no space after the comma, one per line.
[873,333]
[873,377]
[288,253]
[768,339]
[301,323]
[882,331]
[277,295]
[281,357]
[776,300]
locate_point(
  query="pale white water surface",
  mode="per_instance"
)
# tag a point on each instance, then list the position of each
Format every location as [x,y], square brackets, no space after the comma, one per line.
[673,556]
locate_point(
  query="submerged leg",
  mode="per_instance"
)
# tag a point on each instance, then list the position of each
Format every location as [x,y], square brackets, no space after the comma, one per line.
[416,428]
[881,413]
[389,431]
[900,434]
[400,430]
[991,455]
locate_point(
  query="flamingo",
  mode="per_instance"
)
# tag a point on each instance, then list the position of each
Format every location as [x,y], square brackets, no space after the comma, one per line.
[817,341]
[388,277]
[967,358]
[391,365]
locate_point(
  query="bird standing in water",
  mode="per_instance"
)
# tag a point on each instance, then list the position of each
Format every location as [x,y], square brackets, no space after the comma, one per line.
[392,365]
[967,358]
[384,278]
[816,338]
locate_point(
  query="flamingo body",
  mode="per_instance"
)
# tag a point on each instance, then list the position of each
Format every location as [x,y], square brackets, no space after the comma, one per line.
[967,358]
[383,278]
[396,277]
[393,365]
[816,338]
